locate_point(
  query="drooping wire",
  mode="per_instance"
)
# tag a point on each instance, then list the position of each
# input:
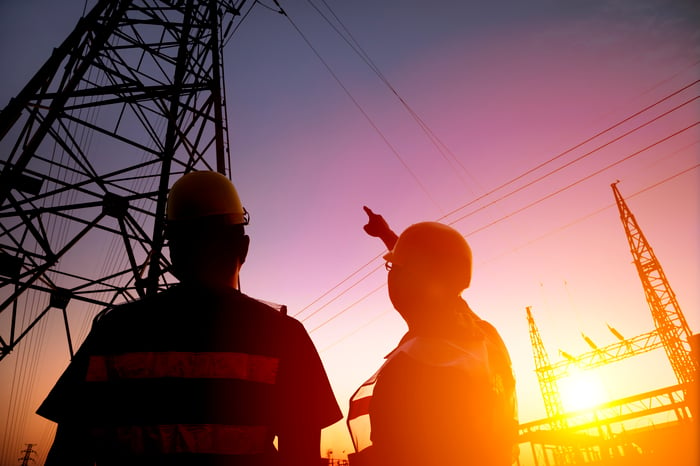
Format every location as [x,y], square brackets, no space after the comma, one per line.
[571,162]
[348,37]
[355,331]
[581,180]
[539,238]
[580,219]
[358,49]
[357,105]
[347,308]
[228,35]
[548,196]
[534,203]
[338,286]
[571,149]
[556,157]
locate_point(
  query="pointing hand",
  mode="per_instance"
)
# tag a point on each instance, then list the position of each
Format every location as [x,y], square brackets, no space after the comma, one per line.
[379,228]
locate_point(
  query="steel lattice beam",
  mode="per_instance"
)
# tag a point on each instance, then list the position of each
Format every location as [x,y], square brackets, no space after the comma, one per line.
[668,317]
[131,99]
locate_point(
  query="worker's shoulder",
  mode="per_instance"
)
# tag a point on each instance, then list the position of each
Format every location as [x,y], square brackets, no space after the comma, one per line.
[227,307]
[268,310]
[497,347]
[488,328]
[133,305]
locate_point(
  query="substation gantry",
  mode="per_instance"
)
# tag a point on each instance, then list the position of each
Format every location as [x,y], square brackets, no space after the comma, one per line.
[671,333]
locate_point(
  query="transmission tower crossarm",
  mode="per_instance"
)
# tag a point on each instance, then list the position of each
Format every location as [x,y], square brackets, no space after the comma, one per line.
[11,113]
[607,354]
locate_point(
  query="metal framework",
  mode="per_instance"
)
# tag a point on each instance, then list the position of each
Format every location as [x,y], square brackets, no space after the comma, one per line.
[546,375]
[614,352]
[668,317]
[591,432]
[671,333]
[88,149]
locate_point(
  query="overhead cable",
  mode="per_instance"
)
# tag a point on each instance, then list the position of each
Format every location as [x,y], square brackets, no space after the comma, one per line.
[571,162]
[542,199]
[549,161]
[383,313]
[363,112]
[571,149]
[441,147]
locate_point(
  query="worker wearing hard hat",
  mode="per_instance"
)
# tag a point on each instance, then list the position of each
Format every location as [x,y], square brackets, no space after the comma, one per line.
[198,374]
[446,394]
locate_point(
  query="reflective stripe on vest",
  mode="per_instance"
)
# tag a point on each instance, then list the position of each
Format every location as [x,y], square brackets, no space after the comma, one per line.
[213,439]
[212,365]
[358,414]
[359,402]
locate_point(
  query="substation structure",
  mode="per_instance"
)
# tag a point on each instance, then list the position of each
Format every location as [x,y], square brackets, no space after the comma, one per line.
[602,435]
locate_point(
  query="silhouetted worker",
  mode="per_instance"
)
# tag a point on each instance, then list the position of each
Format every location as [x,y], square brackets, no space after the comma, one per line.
[200,374]
[446,394]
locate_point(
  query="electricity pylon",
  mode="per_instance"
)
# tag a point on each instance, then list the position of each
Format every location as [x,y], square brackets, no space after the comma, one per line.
[545,375]
[672,332]
[88,149]
[665,311]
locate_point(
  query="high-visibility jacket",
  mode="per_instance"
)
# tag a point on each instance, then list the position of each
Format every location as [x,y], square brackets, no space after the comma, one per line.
[186,377]
[438,401]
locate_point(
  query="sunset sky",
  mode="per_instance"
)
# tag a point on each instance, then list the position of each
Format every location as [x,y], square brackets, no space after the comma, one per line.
[498,98]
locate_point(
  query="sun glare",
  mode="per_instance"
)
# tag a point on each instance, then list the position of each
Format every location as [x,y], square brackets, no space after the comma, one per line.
[581,390]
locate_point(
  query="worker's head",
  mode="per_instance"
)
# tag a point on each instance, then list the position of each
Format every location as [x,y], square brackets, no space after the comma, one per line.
[205,228]
[430,261]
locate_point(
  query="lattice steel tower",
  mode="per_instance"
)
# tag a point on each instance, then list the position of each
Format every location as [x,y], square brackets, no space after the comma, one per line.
[668,318]
[545,376]
[131,99]
[671,330]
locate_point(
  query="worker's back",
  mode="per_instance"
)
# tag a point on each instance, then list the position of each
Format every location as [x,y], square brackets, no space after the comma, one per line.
[191,378]
[436,401]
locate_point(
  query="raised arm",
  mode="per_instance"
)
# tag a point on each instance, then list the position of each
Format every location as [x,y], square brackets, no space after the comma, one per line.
[379,228]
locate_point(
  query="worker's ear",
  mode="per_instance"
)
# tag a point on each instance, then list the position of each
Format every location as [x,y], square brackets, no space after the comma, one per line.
[244,244]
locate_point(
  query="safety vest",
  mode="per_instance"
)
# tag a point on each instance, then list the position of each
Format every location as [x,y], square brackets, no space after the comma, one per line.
[219,439]
[436,352]
[187,376]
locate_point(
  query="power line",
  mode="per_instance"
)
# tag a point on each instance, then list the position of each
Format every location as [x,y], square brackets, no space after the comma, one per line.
[355,331]
[336,315]
[580,180]
[337,286]
[571,162]
[361,109]
[556,157]
[592,214]
[532,204]
[571,149]
[357,48]
[441,147]
[568,225]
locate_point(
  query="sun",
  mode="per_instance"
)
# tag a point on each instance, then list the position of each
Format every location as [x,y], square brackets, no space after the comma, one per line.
[581,390]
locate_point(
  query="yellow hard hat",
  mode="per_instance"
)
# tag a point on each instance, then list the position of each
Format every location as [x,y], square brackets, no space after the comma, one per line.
[434,250]
[202,194]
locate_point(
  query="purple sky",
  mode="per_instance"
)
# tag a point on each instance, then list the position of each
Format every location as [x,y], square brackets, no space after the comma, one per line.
[505,88]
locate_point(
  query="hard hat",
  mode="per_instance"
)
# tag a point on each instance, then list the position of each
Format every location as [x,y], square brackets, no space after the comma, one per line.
[434,250]
[203,194]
